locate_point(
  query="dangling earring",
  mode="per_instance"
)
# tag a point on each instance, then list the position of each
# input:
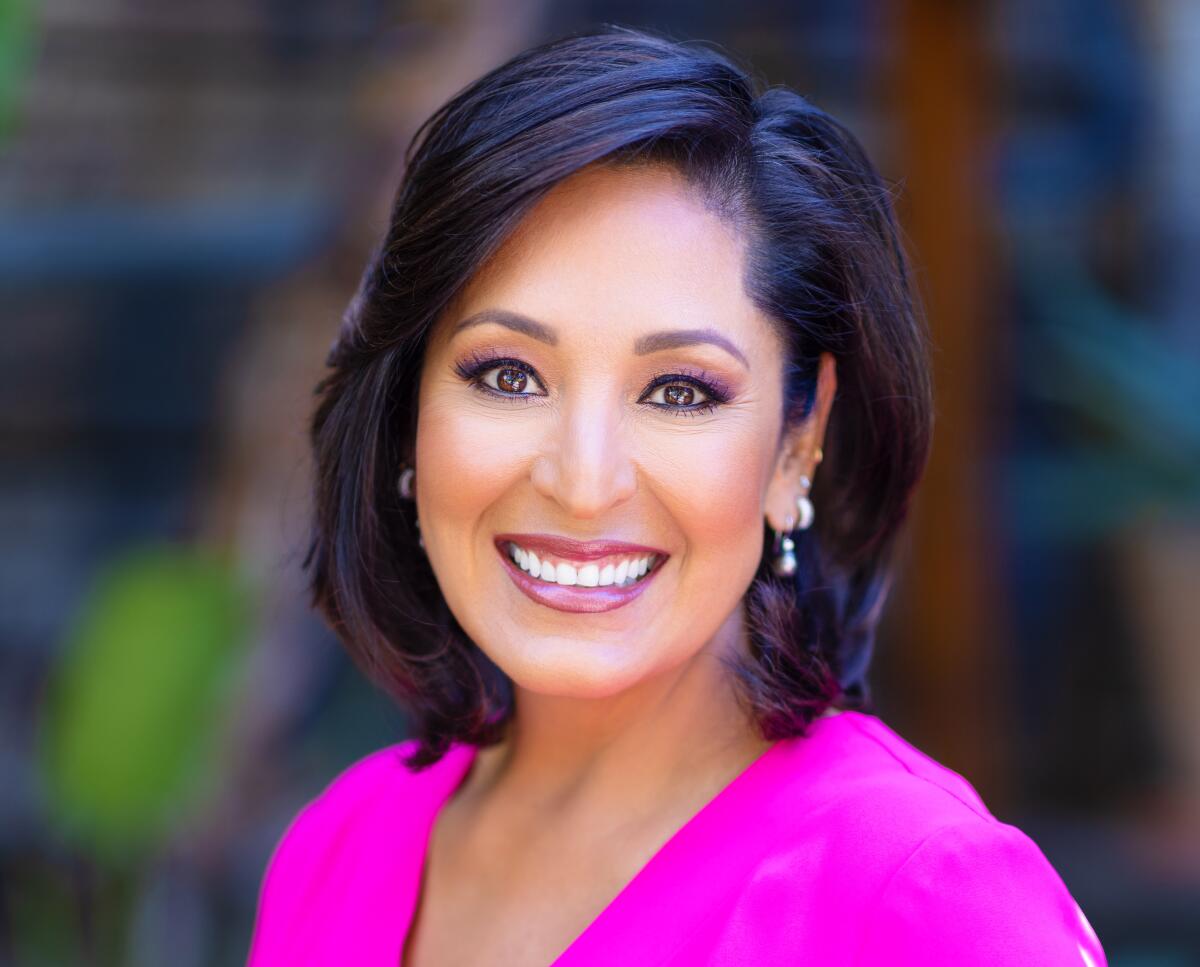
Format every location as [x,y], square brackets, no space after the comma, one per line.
[805,506]
[406,491]
[784,561]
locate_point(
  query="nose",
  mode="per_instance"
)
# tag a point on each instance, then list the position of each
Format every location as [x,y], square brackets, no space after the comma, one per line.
[586,465]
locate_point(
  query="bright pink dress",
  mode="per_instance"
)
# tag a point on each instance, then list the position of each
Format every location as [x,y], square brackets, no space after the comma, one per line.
[847,846]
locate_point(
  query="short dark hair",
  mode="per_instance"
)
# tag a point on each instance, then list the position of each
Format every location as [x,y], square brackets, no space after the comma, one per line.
[825,264]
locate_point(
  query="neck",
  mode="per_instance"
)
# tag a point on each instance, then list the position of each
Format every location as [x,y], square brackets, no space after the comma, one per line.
[680,724]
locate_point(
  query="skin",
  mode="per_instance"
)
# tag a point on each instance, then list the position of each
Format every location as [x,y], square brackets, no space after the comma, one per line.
[626,723]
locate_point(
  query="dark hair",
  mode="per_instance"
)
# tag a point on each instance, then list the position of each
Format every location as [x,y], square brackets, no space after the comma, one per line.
[825,264]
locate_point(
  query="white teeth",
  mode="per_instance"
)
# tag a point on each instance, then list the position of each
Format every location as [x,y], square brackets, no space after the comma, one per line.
[586,575]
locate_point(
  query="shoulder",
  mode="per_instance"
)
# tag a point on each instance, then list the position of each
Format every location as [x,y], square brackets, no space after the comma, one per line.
[947,874]
[358,785]
[370,814]
[879,771]
[335,817]
[350,795]
[978,892]
[865,790]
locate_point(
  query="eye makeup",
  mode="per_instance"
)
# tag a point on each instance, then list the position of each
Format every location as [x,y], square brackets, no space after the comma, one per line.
[711,386]
[477,364]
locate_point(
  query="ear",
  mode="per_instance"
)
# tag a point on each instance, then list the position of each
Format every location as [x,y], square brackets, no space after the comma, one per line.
[798,455]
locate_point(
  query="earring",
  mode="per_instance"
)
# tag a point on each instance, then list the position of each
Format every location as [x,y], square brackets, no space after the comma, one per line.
[805,506]
[406,491]
[784,561]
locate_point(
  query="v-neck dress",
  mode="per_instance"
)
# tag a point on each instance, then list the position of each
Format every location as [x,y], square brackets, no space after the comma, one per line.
[847,846]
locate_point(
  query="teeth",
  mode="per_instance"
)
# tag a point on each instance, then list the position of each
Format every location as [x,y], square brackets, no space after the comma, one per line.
[586,575]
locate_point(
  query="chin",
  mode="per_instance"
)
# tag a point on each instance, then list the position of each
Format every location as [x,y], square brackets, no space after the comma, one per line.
[571,668]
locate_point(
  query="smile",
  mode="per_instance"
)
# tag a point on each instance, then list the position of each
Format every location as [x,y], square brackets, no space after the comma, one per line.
[574,576]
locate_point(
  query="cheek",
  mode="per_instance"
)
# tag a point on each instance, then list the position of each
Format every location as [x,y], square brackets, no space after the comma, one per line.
[474,449]
[712,482]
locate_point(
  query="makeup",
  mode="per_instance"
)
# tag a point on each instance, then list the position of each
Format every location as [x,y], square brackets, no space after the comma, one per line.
[598,570]
[474,368]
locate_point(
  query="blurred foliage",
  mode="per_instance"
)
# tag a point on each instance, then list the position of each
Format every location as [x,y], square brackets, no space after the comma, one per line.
[1132,400]
[135,707]
[16,49]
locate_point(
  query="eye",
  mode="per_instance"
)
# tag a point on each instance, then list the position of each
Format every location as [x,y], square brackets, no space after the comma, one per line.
[679,394]
[510,379]
[507,378]
[684,395]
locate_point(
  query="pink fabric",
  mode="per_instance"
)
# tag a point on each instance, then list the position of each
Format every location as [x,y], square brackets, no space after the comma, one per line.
[847,846]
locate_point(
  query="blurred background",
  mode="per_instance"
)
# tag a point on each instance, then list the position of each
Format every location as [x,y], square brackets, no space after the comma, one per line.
[187,195]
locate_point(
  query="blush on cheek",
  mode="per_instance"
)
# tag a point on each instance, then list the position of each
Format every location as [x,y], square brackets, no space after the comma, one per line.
[480,453]
[717,483]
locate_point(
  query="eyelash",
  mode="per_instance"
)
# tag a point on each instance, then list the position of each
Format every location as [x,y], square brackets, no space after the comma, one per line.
[473,369]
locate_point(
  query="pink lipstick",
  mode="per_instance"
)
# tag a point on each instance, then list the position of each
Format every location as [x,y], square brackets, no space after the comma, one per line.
[606,562]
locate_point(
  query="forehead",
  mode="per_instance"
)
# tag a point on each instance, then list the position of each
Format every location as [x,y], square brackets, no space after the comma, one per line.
[610,249]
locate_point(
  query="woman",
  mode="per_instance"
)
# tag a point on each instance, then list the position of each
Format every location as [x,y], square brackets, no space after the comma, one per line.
[617,438]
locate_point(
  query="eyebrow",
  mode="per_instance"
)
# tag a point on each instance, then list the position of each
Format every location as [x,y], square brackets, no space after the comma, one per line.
[644,345]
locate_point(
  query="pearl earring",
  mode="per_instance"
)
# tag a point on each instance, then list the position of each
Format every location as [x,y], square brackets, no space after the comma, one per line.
[784,561]
[805,506]
[406,491]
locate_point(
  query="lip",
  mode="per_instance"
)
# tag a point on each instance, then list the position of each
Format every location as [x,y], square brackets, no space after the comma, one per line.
[572,550]
[574,598]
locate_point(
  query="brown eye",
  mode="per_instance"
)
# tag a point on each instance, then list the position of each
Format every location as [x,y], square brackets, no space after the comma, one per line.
[511,380]
[678,395]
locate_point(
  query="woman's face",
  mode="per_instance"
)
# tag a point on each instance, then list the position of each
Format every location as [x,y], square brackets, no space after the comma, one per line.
[604,378]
